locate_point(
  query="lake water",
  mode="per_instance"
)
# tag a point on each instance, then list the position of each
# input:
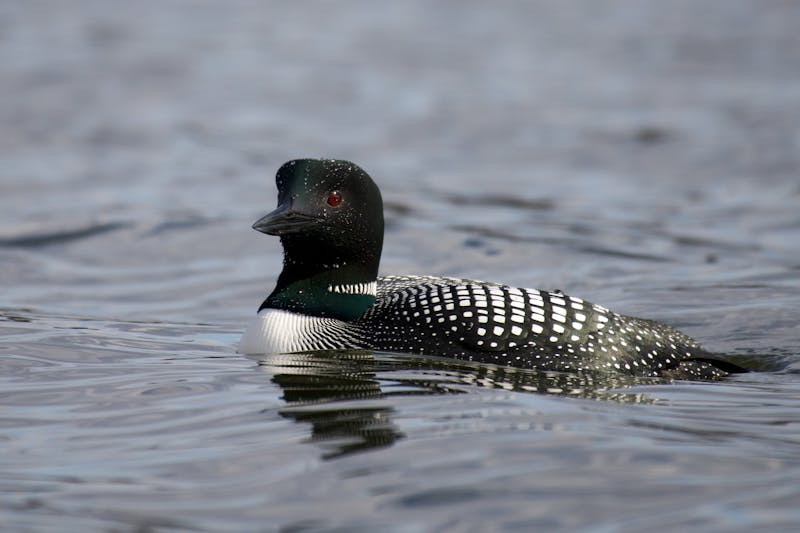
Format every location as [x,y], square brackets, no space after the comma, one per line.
[642,155]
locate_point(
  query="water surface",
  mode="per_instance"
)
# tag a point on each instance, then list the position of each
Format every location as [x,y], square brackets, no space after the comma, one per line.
[639,155]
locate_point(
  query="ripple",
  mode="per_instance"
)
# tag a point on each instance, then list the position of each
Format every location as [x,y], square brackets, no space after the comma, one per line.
[36,238]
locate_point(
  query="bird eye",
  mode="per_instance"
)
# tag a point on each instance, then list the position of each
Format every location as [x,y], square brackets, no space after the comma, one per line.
[334,198]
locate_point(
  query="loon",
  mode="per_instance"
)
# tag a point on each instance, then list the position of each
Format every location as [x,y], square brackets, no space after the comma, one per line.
[329,297]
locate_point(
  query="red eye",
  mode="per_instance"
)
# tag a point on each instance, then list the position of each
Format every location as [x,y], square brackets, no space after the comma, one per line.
[334,198]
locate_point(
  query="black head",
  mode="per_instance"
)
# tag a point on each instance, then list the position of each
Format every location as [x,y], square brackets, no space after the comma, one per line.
[330,221]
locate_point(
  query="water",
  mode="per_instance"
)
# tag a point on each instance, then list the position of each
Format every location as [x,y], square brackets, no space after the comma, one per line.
[643,156]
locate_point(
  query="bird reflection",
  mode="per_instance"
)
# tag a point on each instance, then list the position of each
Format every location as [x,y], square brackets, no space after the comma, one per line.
[320,389]
[343,395]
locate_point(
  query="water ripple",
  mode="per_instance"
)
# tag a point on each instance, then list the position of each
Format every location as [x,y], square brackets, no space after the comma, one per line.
[45,237]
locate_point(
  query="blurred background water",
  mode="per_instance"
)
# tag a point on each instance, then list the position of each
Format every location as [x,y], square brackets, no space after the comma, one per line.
[643,155]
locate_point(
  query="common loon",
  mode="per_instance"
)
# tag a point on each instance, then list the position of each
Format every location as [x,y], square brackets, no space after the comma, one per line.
[329,297]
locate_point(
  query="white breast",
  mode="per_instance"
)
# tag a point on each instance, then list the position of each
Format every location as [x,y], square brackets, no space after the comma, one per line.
[279,331]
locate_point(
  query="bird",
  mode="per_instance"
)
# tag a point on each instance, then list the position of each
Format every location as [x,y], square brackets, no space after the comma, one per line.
[329,296]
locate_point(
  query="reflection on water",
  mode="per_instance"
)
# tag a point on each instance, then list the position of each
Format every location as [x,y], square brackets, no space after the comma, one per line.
[317,389]
[322,388]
